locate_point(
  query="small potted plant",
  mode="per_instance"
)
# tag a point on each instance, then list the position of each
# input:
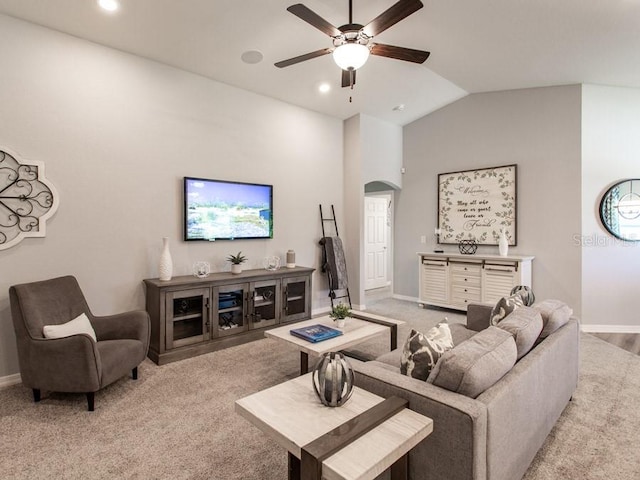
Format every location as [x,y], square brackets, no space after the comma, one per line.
[236,262]
[339,313]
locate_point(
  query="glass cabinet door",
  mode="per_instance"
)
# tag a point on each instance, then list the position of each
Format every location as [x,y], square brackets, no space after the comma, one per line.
[230,302]
[264,303]
[296,299]
[187,317]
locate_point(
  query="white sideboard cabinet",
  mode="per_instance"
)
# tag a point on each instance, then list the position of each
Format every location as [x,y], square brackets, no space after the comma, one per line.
[453,280]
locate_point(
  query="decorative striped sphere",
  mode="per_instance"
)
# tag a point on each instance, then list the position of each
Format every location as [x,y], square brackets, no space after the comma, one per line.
[333,379]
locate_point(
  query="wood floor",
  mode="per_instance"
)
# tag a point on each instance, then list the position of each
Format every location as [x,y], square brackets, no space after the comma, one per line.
[626,341]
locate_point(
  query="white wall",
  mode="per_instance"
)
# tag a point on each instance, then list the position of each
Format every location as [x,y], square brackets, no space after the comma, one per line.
[373,153]
[353,233]
[537,129]
[381,151]
[610,153]
[117,133]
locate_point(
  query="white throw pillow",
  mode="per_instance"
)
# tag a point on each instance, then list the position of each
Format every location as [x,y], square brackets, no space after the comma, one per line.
[80,324]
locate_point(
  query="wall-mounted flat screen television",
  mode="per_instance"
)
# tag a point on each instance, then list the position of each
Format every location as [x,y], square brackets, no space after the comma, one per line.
[224,210]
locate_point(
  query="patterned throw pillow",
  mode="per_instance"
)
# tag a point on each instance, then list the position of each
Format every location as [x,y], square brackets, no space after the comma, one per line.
[526,293]
[421,352]
[504,307]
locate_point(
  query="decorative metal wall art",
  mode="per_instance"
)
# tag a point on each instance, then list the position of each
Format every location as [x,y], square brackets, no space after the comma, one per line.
[27,200]
[476,205]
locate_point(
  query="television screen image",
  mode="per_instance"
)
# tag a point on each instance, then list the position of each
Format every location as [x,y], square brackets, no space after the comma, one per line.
[223,210]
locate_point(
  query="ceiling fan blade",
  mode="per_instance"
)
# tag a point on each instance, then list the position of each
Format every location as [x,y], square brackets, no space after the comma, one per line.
[312,18]
[302,58]
[391,16]
[399,53]
[347,79]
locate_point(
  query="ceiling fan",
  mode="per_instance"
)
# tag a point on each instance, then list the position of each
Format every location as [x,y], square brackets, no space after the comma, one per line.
[352,42]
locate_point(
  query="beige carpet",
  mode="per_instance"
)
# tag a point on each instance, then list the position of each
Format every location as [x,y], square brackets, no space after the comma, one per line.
[177,421]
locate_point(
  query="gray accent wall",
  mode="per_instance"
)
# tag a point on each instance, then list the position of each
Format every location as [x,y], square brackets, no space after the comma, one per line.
[116,134]
[538,129]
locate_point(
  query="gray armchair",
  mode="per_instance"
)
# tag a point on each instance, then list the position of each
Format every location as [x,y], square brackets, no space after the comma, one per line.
[75,363]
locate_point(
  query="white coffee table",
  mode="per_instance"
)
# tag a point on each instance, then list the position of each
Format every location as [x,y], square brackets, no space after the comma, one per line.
[356,331]
[292,415]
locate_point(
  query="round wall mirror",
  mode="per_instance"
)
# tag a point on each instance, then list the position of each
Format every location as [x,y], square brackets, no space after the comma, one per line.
[620,210]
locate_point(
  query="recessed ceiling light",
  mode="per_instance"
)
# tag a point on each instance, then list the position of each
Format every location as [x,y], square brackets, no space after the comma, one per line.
[324,87]
[251,57]
[109,5]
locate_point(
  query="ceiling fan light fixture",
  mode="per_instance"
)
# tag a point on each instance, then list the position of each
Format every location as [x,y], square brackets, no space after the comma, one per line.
[351,56]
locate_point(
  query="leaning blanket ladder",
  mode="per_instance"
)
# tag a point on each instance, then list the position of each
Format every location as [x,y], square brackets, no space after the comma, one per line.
[333,260]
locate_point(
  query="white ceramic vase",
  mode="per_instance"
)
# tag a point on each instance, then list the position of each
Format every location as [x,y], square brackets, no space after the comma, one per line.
[340,322]
[291,259]
[236,268]
[503,244]
[165,268]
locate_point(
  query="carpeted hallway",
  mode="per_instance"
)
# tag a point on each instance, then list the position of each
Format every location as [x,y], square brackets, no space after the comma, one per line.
[178,422]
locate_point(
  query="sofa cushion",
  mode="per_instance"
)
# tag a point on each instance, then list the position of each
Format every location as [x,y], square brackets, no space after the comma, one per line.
[80,324]
[504,307]
[555,314]
[421,352]
[476,364]
[459,333]
[525,324]
[118,357]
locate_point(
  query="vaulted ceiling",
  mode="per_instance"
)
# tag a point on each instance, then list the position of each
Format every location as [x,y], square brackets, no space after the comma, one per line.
[476,46]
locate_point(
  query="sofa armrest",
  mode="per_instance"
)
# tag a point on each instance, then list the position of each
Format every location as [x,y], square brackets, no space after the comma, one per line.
[135,325]
[478,316]
[524,406]
[456,450]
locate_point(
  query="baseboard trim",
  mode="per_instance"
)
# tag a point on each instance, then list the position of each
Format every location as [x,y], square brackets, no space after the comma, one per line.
[10,380]
[320,311]
[325,310]
[610,328]
[405,297]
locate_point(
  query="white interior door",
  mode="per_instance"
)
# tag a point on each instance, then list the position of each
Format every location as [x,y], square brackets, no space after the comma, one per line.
[376,248]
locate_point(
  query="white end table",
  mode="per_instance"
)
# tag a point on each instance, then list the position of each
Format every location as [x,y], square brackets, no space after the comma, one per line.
[357,330]
[292,415]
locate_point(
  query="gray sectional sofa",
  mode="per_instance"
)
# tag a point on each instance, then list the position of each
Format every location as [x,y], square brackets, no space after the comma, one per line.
[496,435]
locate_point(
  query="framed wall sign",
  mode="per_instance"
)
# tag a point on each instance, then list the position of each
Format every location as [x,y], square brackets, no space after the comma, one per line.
[477,204]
